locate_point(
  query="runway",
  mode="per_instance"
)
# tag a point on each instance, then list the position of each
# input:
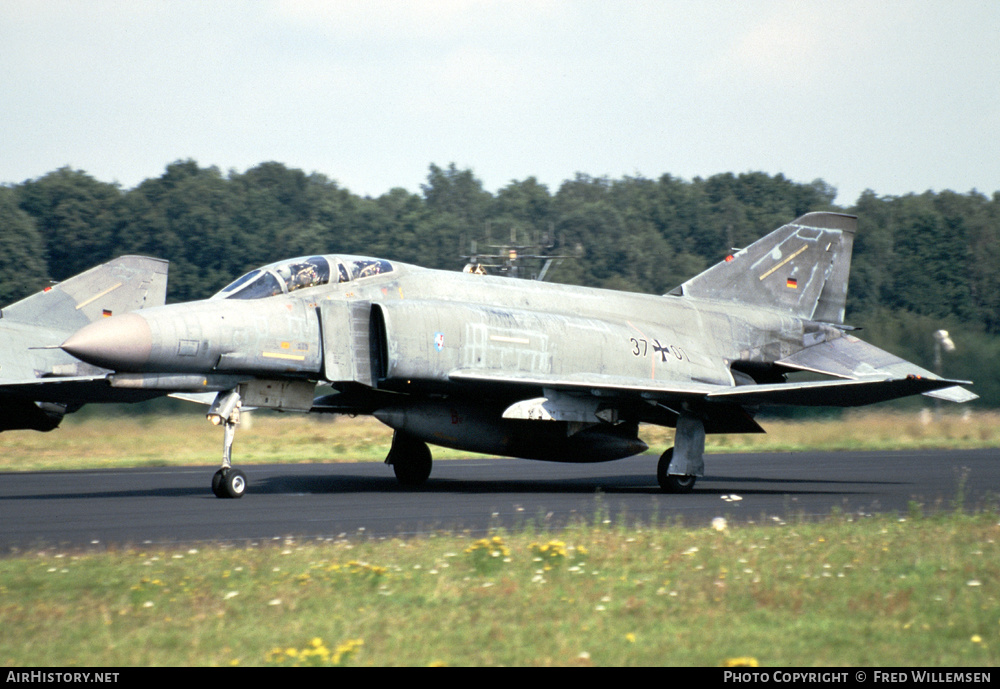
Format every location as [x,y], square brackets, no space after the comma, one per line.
[175,506]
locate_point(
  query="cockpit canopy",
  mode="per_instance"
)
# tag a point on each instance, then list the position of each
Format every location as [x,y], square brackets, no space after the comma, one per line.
[294,274]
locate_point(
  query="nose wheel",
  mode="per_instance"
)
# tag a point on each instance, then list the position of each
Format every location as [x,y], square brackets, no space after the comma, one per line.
[229,483]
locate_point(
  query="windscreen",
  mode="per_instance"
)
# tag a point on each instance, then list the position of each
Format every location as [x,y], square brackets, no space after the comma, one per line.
[285,277]
[279,278]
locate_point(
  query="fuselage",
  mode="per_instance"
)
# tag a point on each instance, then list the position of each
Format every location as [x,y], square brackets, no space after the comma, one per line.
[438,321]
[403,343]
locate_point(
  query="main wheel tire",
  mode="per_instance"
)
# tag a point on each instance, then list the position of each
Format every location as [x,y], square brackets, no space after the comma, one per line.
[672,483]
[411,460]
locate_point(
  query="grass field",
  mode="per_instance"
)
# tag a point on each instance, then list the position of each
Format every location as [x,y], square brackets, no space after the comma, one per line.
[156,440]
[920,590]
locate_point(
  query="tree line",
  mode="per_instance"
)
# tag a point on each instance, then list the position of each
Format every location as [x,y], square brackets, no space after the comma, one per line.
[921,261]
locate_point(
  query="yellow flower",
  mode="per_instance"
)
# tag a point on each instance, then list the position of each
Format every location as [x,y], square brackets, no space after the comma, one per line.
[315,653]
[745,661]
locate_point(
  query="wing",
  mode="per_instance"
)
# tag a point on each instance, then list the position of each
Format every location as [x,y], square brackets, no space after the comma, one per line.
[589,398]
[583,397]
[39,404]
[73,390]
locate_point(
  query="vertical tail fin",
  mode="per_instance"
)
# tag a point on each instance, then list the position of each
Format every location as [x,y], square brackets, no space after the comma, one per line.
[124,284]
[801,268]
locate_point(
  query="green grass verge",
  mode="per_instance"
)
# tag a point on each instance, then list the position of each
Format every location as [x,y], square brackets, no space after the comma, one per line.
[878,591]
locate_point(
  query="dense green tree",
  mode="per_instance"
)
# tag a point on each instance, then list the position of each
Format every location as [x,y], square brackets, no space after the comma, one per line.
[22,264]
[391,225]
[527,203]
[984,258]
[522,215]
[75,215]
[186,216]
[458,193]
[292,213]
[871,275]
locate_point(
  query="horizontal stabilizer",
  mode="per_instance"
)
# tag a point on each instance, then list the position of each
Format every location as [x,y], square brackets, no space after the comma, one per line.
[954,394]
[851,358]
[834,393]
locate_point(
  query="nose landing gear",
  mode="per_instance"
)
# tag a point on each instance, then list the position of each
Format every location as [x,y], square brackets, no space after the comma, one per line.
[227,482]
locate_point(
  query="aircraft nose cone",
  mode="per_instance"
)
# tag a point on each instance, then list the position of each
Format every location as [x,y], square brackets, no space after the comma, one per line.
[121,343]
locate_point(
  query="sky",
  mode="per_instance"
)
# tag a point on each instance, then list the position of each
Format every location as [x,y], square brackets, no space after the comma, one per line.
[896,96]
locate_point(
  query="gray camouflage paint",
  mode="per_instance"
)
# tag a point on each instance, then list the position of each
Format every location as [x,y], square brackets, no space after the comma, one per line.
[526,368]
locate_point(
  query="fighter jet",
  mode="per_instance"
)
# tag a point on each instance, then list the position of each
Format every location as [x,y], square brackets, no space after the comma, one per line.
[39,383]
[515,367]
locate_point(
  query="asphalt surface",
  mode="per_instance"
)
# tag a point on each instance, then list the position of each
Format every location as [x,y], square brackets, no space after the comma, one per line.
[164,506]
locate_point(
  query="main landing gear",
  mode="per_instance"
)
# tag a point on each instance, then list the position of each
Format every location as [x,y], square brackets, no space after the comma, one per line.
[681,465]
[410,459]
[227,482]
[672,483]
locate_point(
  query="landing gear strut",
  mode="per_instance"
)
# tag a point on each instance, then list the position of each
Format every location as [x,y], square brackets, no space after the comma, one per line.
[227,482]
[410,459]
[681,465]
[672,483]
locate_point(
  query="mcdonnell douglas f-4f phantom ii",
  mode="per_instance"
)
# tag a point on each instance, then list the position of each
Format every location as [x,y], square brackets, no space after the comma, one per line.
[516,367]
[39,383]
